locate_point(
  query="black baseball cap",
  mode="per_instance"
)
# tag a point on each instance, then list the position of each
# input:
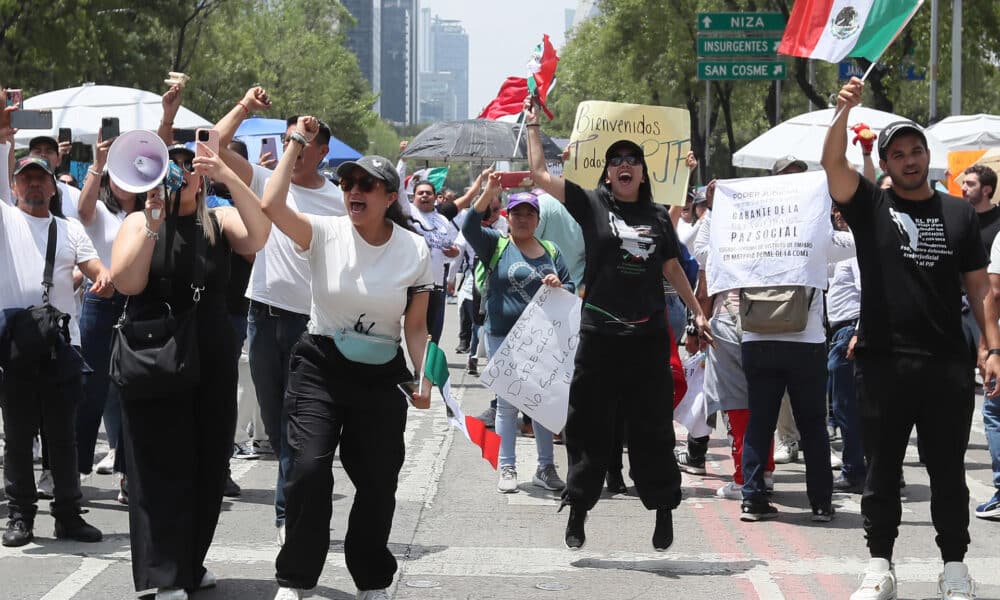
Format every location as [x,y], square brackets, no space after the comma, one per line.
[43,139]
[181,149]
[625,144]
[896,129]
[32,161]
[376,166]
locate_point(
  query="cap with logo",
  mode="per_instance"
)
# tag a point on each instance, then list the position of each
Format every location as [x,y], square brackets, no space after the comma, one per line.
[896,129]
[376,166]
[32,161]
[782,164]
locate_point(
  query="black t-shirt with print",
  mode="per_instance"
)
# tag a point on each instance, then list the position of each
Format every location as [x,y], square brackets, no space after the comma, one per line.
[626,246]
[989,226]
[912,257]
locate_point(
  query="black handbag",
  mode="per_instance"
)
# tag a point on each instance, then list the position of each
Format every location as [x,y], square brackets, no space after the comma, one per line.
[155,350]
[31,336]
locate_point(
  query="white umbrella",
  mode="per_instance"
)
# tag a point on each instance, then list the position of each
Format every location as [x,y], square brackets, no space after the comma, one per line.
[802,137]
[82,108]
[968,132]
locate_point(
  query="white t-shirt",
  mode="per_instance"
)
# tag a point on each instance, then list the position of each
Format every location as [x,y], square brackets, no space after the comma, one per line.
[103,229]
[843,300]
[280,275]
[438,232]
[70,200]
[354,281]
[23,239]
[994,267]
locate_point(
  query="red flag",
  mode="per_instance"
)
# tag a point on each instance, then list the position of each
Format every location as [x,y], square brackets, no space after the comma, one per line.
[509,100]
[487,440]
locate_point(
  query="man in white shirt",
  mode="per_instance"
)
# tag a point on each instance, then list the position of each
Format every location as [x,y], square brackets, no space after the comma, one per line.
[43,394]
[280,283]
[47,147]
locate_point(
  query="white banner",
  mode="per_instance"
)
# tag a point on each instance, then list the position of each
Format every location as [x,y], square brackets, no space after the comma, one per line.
[534,366]
[692,411]
[770,231]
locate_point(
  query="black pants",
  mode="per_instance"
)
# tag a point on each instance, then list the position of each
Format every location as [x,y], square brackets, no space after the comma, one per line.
[334,402]
[630,374]
[50,405]
[896,392]
[466,322]
[178,448]
[771,367]
[436,302]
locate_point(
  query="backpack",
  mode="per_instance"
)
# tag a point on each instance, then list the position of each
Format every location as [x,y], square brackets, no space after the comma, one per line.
[483,271]
[775,309]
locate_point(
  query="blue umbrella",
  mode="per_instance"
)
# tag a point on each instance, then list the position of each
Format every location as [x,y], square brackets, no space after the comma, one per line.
[255,129]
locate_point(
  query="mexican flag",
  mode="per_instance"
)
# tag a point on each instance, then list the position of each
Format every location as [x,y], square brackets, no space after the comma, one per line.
[833,30]
[509,100]
[542,68]
[436,370]
[435,175]
[513,91]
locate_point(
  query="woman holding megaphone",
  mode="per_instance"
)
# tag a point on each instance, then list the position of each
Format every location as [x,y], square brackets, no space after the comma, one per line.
[178,438]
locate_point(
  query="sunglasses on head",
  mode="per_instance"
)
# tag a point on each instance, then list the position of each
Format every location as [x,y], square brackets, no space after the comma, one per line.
[365,184]
[619,159]
[185,163]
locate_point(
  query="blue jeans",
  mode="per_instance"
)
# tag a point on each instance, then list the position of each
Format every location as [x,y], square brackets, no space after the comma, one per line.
[771,368]
[506,424]
[97,320]
[845,404]
[272,334]
[991,422]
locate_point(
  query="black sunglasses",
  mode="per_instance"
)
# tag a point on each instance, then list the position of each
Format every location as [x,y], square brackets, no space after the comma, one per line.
[365,184]
[629,159]
[184,163]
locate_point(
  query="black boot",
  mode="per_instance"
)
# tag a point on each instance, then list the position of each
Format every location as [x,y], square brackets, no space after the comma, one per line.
[19,532]
[576,537]
[615,482]
[232,489]
[663,534]
[75,528]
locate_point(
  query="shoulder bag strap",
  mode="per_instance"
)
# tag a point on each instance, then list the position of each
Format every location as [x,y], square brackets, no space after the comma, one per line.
[198,275]
[50,260]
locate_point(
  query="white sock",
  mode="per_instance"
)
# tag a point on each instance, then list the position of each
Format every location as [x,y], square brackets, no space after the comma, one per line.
[879,565]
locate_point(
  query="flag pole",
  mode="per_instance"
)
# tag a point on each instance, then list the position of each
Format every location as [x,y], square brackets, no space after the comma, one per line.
[520,134]
[423,365]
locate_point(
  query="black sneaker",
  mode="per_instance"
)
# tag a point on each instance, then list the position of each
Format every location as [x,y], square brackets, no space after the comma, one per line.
[232,489]
[489,417]
[615,482]
[842,484]
[822,514]
[690,464]
[472,368]
[757,510]
[75,528]
[663,534]
[576,537]
[19,532]
[462,348]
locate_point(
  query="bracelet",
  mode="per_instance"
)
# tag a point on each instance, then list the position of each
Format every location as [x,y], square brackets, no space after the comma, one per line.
[246,111]
[993,351]
[298,138]
[151,234]
[93,172]
[533,125]
[866,154]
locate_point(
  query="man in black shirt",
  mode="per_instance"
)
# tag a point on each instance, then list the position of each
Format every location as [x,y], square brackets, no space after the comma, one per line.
[917,249]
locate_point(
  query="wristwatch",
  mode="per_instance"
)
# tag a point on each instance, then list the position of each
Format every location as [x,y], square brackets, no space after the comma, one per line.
[993,351]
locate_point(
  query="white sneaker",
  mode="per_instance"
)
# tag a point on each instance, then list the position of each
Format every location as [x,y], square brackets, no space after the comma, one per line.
[879,582]
[730,491]
[170,594]
[281,534]
[955,583]
[36,450]
[373,595]
[288,594]
[836,462]
[107,464]
[208,580]
[46,486]
[508,480]
[786,451]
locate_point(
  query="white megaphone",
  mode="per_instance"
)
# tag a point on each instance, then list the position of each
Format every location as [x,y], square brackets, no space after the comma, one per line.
[138,161]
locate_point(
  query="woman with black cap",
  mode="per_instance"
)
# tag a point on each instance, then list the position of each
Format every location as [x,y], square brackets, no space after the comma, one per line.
[369,272]
[623,360]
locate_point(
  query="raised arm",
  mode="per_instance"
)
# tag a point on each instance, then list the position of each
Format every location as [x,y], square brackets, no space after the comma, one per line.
[246,228]
[466,199]
[553,185]
[255,100]
[86,206]
[482,239]
[841,178]
[171,104]
[132,251]
[274,203]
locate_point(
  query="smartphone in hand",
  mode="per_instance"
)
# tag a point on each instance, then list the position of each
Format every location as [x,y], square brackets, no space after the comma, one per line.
[15,98]
[408,388]
[209,137]
[31,119]
[65,134]
[109,128]
[269,144]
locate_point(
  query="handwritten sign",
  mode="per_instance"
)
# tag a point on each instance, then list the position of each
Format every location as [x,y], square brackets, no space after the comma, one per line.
[663,133]
[769,231]
[534,366]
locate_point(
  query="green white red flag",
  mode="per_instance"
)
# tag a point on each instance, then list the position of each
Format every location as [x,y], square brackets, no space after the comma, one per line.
[542,68]
[832,30]
[436,370]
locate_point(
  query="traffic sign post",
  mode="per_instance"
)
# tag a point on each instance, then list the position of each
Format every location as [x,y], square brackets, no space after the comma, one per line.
[742,69]
[740,21]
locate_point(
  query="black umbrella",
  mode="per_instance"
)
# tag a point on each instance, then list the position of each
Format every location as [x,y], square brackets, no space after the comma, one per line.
[475,140]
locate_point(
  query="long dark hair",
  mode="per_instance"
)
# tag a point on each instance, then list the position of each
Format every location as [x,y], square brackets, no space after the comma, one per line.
[645,188]
[107,196]
[395,214]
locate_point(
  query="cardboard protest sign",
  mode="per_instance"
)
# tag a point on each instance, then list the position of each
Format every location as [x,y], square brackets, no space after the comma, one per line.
[770,231]
[663,133]
[534,366]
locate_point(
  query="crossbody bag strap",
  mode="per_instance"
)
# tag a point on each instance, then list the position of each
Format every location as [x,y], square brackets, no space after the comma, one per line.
[50,260]
[200,247]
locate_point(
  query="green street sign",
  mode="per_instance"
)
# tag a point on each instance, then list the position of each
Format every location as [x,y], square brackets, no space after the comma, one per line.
[742,69]
[740,21]
[738,46]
